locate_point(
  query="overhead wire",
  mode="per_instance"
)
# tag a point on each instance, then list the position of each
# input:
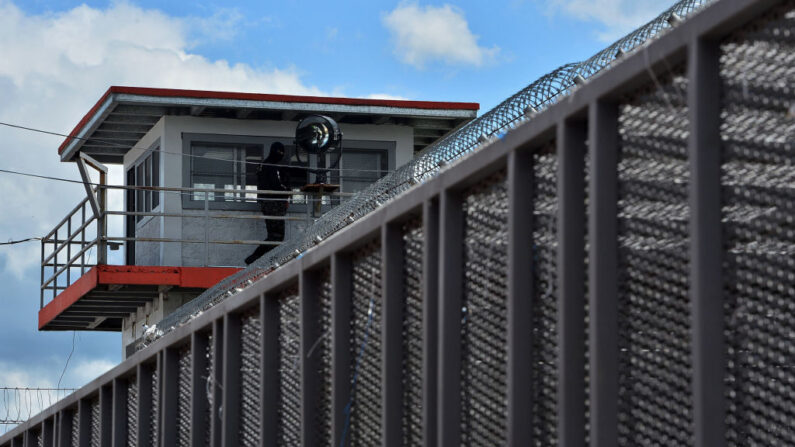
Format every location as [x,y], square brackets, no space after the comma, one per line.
[165,190]
[180,154]
[20,241]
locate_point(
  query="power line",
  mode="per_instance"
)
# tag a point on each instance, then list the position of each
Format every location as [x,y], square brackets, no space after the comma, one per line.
[240,192]
[74,333]
[10,242]
[179,154]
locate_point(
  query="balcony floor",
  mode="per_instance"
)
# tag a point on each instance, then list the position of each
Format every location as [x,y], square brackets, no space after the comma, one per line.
[101,298]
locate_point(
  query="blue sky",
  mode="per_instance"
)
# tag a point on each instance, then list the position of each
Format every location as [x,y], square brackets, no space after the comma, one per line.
[58,57]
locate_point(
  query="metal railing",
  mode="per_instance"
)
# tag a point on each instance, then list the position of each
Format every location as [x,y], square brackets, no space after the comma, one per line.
[606,274]
[81,239]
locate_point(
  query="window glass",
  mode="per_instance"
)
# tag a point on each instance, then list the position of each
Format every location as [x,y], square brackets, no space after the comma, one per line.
[213,166]
[144,172]
[155,177]
[360,168]
[200,195]
[148,182]
[139,193]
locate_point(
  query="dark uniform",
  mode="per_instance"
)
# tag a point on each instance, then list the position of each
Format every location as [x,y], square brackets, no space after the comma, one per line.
[273,178]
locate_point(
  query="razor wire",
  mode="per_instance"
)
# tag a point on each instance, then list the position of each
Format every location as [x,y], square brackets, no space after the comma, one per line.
[18,404]
[492,125]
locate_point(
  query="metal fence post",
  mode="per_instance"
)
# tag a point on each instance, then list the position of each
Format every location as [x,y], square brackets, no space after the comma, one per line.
[341,278]
[310,385]
[199,402]
[521,298]
[145,404]
[430,319]
[571,282]
[706,282]
[119,426]
[451,252]
[392,334]
[230,421]
[169,396]
[269,315]
[106,415]
[602,272]
[217,378]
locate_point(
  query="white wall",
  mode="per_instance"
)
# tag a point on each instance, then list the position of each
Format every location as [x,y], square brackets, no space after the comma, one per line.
[170,129]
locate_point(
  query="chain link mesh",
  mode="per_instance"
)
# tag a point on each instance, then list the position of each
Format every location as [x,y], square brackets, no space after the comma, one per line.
[365,333]
[184,397]
[757,66]
[154,418]
[544,375]
[484,314]
[493,124]
[289,427]
[132,412]
[324,350]
[413,244]
[209,377]
[75,435]
[250,376]
[95,421]
[655,407]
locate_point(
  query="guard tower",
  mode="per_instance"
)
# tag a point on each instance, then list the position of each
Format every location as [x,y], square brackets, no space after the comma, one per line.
[189,216]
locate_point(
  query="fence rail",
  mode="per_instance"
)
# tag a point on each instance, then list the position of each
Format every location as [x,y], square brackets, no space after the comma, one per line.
[612,272]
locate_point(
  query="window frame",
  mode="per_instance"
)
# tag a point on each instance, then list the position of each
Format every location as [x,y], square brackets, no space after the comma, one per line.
[144,171]
[189,139]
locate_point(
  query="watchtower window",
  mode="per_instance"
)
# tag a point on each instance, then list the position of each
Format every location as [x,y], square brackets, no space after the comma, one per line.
[145,172]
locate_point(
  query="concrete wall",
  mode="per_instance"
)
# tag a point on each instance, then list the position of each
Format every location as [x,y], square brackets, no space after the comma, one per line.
[169,130]
[147,253]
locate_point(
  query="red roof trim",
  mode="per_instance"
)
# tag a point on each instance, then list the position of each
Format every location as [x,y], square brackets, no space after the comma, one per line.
[186,277]
[178,93]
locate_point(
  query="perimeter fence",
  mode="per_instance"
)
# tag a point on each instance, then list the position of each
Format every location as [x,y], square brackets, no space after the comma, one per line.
[615,271]
[515,110]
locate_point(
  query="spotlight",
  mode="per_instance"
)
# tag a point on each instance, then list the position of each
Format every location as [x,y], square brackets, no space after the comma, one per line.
[318,134]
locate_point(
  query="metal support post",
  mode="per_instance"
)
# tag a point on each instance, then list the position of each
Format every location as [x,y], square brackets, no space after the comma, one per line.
[341,278]
[392,334]
[520,297]
[310,365]
[119,426]
[106,415]
[145,405]
[230,421]
[102,220]
[84,420]
[64,431]
[199,385]
[571,283]
[269,315]
[451,251]
[706,281]
[430,319]
[217,379]
[169,396]
[602,273]
[48,432]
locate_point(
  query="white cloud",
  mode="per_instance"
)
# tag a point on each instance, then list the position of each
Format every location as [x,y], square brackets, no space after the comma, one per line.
[617,17]
[427,34]
[54,67]
[386,96]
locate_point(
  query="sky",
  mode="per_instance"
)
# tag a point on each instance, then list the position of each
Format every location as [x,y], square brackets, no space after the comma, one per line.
[57,57]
